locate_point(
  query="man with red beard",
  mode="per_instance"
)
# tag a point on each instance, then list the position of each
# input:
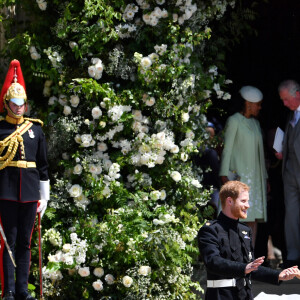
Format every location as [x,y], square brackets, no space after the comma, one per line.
[227,251]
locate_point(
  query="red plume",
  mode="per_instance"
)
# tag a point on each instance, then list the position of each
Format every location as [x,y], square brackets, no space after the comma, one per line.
[14,69]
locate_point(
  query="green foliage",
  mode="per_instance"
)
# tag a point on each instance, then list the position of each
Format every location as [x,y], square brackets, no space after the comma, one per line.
[126,88]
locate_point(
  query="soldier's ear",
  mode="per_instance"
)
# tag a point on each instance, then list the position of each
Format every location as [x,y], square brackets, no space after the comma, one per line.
[229,201]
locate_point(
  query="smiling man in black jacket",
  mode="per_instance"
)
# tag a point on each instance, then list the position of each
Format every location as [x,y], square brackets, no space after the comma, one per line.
[227,251]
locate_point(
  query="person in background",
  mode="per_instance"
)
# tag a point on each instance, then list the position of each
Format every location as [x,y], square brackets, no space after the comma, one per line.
[208,160]
[226,248]
[243,154]
[289,92]
[24,184]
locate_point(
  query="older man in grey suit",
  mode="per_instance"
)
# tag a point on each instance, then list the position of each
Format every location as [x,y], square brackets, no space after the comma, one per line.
[289,92]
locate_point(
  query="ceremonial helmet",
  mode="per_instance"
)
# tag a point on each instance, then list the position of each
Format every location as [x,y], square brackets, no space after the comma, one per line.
[13,88]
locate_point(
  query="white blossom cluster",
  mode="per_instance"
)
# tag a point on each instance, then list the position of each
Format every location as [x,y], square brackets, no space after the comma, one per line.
[96,69]
[54,57]
[33,53]
[75,252]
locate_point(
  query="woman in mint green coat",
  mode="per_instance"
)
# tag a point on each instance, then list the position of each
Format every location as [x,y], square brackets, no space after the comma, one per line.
[243,155]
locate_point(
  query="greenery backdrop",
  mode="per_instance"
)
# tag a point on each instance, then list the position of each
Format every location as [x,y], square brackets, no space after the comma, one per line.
[123,88]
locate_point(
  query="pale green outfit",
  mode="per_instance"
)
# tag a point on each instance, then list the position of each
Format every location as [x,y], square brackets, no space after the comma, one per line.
[243,153]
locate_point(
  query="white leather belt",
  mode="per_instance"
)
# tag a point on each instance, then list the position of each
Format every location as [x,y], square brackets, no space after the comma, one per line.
[221,283]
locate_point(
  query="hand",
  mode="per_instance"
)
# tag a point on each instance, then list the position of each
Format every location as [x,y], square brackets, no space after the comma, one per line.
[42,205]
[254,265]
[290,273]
[279,155]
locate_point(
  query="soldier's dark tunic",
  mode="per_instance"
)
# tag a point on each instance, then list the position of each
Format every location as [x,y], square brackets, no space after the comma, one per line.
[226,248]
[19,194]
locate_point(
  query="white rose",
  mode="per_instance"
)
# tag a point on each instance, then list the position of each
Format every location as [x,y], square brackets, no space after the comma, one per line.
[65,156]
[77,169]
[184,156]
[74,100]
[174,149]
[66,248]
[43,5]
[102,124]
[99,272]
[146,62]
[75,190]
[176,176]
[109,279]
[150,102]
[98,285]
[84,271]
[155,195]
[163,194]
[52,100]
[67,110]
[196,183]
[35,55]
[158,222]
[144,270]
[96,112]
[72,44]
[92,71]
[137,115]
[185,117]
[96,61]
[127,281]
[102,147]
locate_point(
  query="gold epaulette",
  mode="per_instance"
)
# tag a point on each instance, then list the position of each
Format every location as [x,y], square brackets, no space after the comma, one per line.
[35,120]
[2,118]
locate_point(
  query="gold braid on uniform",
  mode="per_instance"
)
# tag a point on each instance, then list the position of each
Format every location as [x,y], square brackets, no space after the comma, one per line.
[12,142]
[35,120]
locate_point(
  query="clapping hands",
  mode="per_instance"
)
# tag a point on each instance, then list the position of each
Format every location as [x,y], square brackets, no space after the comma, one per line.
[289,273]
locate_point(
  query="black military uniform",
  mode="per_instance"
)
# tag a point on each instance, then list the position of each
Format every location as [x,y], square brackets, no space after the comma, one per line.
[19,194]
[226,248]
[24,184]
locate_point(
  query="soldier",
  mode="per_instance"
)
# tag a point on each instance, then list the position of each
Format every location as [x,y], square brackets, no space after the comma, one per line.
[227,251]
[24,184]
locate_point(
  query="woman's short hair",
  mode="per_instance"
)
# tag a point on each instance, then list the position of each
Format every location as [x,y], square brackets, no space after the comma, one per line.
[232,189]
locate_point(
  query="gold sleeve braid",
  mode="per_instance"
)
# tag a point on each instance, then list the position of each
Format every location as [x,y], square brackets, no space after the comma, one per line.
[12,142]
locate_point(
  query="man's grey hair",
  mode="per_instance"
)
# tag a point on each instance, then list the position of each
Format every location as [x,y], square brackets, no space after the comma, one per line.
[291,86]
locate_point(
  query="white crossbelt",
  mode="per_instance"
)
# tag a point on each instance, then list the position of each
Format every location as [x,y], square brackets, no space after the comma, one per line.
[221,283]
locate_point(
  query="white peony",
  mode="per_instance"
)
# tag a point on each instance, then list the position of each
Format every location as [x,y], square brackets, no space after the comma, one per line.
[127,281]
